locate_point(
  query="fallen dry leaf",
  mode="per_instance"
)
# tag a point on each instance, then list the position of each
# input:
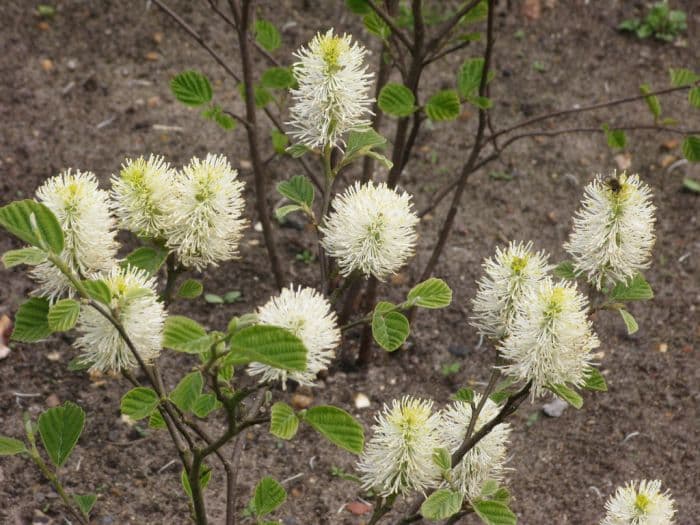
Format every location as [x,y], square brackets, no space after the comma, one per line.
[667,160]
[532,9]
[158,37]
[670,144]
[358,508]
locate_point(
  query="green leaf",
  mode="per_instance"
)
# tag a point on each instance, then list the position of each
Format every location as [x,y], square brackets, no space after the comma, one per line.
[389,327]
[283,421]
[297,150]
[298,189]
[205,405]
[212,298]
[469,77]
[33,223]
[567,394]
[187,391]
[442,504]
[443,105]
[156,420]
[481,102]
[337,426]
[217,114]
[31,321]
[637,289]
[465,395]
[266,35]
[139,402]
[79,364]
[652,101]
[191,88]
[595,380]
[442,458]
[476,13]
[691,184]
[359,7]
[190,289]
[85,502]
[362,142]
[278,78]
[146,258]
[432,293]
[279,141]
[268,496]
[565,270]
[283,211]
[98,290]
[397,100]
[232,296]
[691,148]
[269,345]
[494,512]
[29,256]
[683,77]
[501,495]
[63,315]
[204,477]
[376,25]
[616,137]
[60,428]
[10,446]
[630,321]
[183,334]
[694,97]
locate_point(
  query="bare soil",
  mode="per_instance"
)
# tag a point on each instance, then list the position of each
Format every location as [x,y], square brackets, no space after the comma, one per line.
[104,96]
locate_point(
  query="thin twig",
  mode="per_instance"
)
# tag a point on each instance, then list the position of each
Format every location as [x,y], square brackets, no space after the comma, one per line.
[395,30]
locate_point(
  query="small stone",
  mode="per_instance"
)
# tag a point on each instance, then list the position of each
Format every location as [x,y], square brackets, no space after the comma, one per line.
[47,64]
[258,227]
[152,56]
[300,401]
[72,64]
[296,492]
[663,348]
[52,401]
[43,26]
[245,164]
[158,37]
[552,217]
[399,279]
[458,350]
[555,408]
[670,145]
[358,508]
[153,101]
[53,356]
[361,400]
[623,161]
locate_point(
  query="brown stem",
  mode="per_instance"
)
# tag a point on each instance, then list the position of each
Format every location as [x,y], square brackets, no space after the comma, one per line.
[395,30]
[473,156]
[443,32]
[364,354]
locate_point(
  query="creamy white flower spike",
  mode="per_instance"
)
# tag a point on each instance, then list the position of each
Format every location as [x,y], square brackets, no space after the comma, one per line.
[332,98]
[640,503]
[398,459]
[613,233]
[507,276]
[143,192]
[204,223]
[551,338]
[372,230]
[83,211]
[142,315]
[483,462]
[309,316]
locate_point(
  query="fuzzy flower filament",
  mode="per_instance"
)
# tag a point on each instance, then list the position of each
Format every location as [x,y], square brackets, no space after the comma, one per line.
[204,222]
[309,316]
[83,212]
[332,97]
[398,459]
[486,459]
[143,191]
[639,503]
[372,230]
[507,277]
[137,308]
[613,232]
[551,337]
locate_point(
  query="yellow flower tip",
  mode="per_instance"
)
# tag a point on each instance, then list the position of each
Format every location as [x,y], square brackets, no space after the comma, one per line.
[642,503]
[332,47]
[518,264]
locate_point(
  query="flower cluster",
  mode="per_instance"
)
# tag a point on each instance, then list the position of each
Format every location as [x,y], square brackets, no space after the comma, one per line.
[309,316]
[399,458]
[372,230]
[613,232]
[83,212]
[332,98]
[639,503]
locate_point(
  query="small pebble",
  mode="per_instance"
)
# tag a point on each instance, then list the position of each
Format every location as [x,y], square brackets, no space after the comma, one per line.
[361,401]
[555,408]
[458,350]
[300,401]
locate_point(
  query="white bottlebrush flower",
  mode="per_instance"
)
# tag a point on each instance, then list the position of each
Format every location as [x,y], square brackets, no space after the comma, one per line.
[332,97]
[309,316]
[142,315]
[372,229]
[551,338]
[484,461]
[142,192]
[507,276]
[83,211]
[398,459]
[613,232]
[205,223]
[639,503]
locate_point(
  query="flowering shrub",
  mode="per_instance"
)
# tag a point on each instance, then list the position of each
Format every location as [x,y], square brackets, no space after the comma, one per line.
[450,457]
